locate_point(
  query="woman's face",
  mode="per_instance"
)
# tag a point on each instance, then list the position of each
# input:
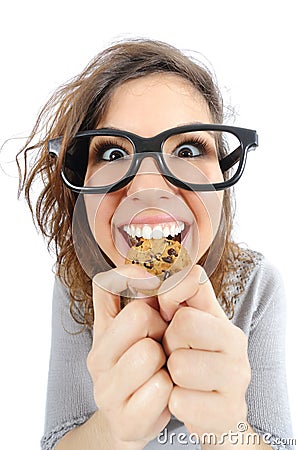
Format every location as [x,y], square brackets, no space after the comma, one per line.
[149,205]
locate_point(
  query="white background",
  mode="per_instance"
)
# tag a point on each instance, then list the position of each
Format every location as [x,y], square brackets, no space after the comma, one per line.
[253,47]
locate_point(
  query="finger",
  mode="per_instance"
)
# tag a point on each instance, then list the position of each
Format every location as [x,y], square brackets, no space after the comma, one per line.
[152,398]
[196,407]
[135,322]
[127,276]
[203,410]
[202,370]
[108,285]
[205,298]
[141,361]
[194,290]
[192,328]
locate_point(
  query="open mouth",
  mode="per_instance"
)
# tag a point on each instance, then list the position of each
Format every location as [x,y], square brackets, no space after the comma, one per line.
[175,231]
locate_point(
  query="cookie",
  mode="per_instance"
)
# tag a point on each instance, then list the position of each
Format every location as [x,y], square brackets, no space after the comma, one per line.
[160,257]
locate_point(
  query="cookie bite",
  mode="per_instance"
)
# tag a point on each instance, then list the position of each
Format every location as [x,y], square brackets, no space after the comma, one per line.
[161,257]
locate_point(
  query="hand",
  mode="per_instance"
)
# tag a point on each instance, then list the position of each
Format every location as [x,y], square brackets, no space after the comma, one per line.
[131,387]
[208,360]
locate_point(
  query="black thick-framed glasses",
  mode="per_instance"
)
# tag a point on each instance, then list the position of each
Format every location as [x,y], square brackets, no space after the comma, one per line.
[197,157]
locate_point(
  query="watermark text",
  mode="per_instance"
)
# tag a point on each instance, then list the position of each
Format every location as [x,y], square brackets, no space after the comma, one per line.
[241,436]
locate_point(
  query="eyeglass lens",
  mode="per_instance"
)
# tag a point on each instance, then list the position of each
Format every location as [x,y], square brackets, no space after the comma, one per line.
[196,157]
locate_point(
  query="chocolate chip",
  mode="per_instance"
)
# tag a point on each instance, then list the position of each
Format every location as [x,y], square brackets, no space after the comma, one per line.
[166,274]
[172,251]
[167,259]
[148,264]
[139,243]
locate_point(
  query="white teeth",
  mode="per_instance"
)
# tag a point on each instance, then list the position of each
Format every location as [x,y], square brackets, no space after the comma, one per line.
[166,231]
[156,231]
[172,229]
[147,232]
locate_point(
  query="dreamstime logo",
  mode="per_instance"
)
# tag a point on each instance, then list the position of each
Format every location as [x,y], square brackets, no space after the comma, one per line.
[238,437]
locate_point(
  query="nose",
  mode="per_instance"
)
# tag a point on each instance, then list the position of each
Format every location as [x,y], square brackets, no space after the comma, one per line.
[149,185]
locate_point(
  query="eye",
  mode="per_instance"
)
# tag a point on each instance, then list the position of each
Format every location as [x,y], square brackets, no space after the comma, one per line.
[112,154]
[189,150]
[108,151]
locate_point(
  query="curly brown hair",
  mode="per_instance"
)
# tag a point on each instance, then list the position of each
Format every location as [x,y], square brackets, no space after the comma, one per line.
[77,106]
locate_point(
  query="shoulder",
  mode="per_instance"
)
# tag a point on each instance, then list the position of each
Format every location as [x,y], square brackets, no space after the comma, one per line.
[251,269]
[61,313]
[256,286]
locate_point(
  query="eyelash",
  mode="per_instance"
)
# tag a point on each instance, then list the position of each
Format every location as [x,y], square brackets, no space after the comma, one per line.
[198,142]
[100,148]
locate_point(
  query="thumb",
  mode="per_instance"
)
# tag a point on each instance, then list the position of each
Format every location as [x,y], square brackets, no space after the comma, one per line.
[205,298]
[194,289]
[108,286]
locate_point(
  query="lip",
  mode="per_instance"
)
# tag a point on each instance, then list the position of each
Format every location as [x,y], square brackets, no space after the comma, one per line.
[153,220]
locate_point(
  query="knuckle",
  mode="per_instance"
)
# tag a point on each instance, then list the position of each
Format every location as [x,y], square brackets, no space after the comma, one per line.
[235,336]
[241,335]
[245,375]
[239,374]
[94,361]
[175,402]
[166,380]
[163,383]
[91,362]
[183,316]
[240,367]
[175,367]
[140,313]
[152,352]
[184,319]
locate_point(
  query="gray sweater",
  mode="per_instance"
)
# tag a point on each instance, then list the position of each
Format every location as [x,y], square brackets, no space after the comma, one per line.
[259,312]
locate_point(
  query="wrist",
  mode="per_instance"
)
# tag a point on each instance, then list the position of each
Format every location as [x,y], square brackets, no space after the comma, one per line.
[112,439]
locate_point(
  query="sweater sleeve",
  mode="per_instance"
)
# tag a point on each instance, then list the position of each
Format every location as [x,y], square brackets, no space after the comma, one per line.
[267,395]
[70,400]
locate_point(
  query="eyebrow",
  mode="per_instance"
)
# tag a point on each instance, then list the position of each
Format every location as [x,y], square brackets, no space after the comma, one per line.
[175,126]
[111,127]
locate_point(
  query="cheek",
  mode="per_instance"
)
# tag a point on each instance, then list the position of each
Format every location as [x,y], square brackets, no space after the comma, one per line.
[207,210]
[102,225]
[100,209]
[205,205]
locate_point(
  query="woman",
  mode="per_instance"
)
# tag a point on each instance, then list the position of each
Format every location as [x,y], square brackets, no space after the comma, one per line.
[133,150]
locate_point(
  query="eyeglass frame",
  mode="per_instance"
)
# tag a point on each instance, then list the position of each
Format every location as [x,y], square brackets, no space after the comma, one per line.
[143,148]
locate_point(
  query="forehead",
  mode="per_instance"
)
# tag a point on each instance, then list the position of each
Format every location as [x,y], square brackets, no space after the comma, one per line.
[153,103]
